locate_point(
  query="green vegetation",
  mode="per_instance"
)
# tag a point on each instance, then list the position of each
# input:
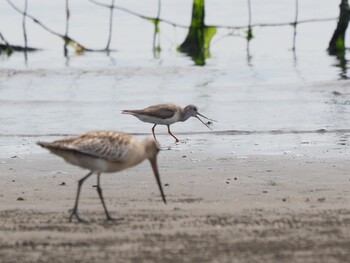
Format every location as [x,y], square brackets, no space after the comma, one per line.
[72,43]
[249,34]
[6,48]
[199,36]
[337,43]
[9,49]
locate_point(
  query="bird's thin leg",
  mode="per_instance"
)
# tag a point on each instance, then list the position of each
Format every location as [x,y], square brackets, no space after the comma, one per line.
[99,191]
[153,131]
[74,211]
[177,140]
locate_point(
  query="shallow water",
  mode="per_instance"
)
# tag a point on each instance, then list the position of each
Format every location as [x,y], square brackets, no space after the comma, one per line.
[266,103]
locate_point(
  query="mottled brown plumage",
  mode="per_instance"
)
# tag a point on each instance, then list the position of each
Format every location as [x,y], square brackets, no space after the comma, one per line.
[108,145]
[104,152]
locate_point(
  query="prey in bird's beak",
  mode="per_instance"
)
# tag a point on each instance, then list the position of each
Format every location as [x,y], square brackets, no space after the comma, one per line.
[209,120]
[156,175]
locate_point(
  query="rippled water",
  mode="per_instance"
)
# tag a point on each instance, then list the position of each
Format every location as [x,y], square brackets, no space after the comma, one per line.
[296,96]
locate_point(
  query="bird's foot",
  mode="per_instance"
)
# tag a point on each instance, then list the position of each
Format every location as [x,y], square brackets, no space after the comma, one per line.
[177,141]
[74,213]
[112,219]
[184,141]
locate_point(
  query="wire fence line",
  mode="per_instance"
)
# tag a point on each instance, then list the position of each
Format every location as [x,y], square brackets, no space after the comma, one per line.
[198,39]
[25,30]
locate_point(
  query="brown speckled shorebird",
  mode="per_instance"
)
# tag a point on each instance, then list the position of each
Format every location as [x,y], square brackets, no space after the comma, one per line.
[167,114]
[104,152]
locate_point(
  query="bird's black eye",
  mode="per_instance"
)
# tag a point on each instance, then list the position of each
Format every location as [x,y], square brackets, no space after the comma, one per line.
[195,109]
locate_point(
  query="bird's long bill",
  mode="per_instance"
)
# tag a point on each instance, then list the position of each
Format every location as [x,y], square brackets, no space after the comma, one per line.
[205,117]
[156,174]
[203,121]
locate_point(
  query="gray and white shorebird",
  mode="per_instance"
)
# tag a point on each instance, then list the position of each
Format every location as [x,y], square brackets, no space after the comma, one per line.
[104,152]
[167,114]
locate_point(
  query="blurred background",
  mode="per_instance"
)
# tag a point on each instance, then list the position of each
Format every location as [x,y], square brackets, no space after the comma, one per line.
[261,68]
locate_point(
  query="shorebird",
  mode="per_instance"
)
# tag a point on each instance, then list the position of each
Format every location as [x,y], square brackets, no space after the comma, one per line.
[167,114]
[104,152]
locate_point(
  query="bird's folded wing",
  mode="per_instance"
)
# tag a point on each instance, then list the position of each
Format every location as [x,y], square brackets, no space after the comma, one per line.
[159,111]
[110,148]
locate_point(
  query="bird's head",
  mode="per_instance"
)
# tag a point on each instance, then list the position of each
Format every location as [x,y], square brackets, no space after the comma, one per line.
[192,111]
[152,149]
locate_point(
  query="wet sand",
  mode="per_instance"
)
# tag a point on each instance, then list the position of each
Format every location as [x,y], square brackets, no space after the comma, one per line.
[254,208]
[270,183]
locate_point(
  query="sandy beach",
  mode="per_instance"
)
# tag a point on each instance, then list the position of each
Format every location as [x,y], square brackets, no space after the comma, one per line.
[268,182]
[254,208]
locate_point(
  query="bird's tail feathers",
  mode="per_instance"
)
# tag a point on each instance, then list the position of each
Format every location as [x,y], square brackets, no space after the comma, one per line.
[44,144]
[52,145]
[128,112]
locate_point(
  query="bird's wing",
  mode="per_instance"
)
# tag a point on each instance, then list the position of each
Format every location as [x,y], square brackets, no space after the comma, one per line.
[163,111]
[108,145]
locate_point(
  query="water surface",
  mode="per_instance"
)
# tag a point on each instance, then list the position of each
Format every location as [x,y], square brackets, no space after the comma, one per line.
[271,96]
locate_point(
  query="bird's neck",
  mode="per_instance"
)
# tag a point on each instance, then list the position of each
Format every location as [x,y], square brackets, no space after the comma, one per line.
[184,115]
[136,154]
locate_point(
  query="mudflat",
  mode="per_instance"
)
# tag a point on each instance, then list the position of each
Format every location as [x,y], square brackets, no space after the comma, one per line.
[253,208]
